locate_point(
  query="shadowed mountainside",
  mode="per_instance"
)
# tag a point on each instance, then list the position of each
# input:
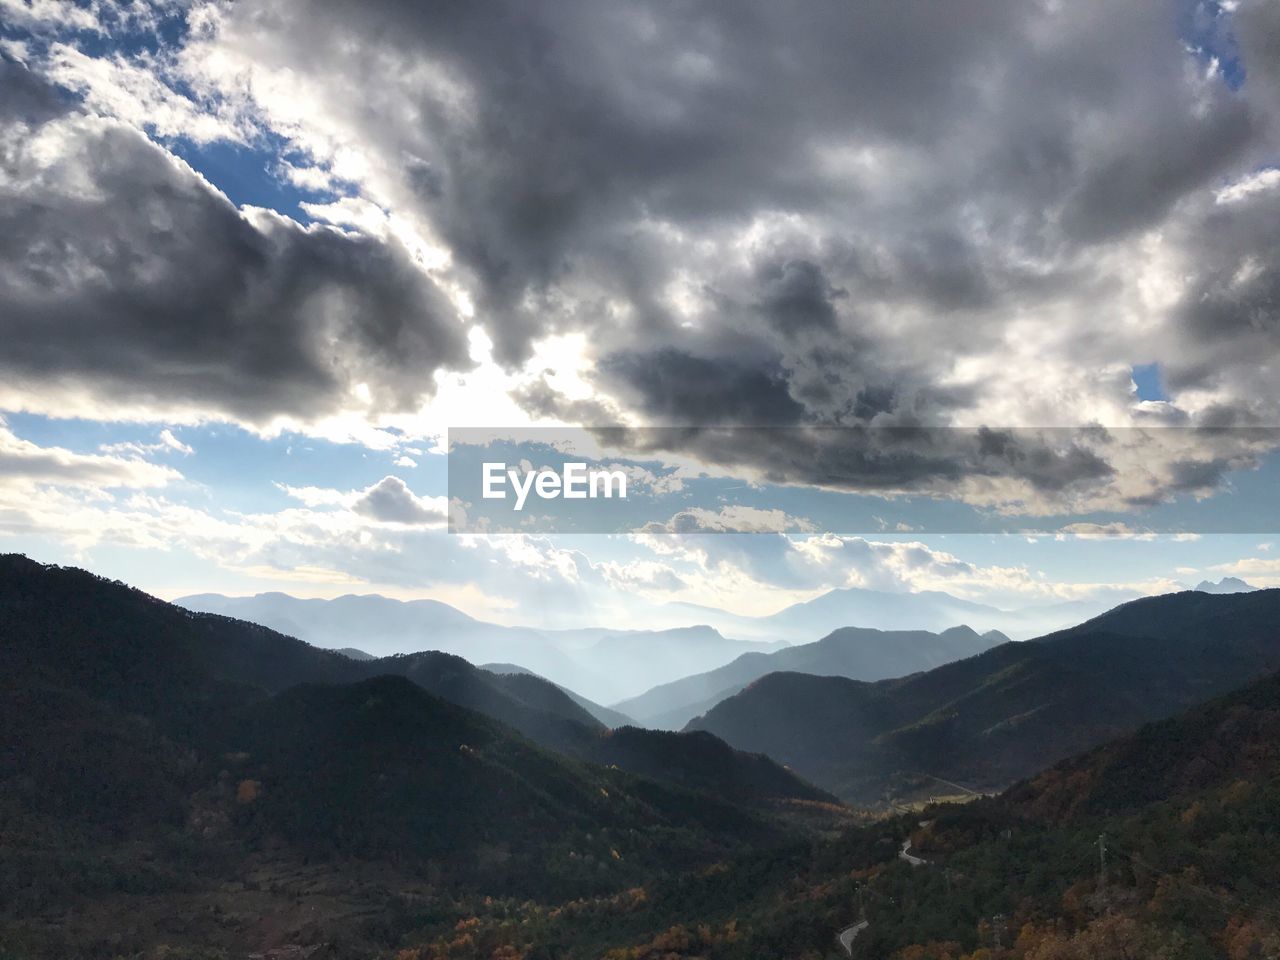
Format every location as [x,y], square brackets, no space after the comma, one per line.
[1227,740]
[1006,713]
[610,718]
[78,632]
[1186,811]
[853,652]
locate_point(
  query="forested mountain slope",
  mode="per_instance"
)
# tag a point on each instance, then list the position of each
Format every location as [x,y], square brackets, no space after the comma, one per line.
[1005,714]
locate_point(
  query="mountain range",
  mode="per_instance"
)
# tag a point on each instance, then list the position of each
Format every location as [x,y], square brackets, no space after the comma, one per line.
[611,665]
[983,722]
[1225,585]
[210,785]
[610,718]
[854,652]
[144,747]
[931,610]
[604,664]
[124,650]
[1228,740]
[1160,844]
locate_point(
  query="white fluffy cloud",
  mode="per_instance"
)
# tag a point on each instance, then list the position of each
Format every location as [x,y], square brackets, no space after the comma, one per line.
[388,501]
[761,573]
[24,464]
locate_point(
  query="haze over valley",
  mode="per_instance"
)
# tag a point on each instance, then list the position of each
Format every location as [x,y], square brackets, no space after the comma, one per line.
[610,664]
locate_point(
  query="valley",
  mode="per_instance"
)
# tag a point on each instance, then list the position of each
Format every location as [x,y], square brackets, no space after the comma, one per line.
[187,785]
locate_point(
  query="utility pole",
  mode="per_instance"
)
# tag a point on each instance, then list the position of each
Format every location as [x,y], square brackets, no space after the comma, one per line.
[997,923]
[1102,863]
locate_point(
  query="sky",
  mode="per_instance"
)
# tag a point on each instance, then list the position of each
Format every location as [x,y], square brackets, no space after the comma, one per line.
[259,260]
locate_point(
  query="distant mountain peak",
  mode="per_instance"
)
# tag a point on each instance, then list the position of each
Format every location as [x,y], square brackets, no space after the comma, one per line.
[352,653]
[1225,585]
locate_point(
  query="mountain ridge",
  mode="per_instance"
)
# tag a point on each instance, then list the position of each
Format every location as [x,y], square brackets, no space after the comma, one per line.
[610,718]
[602,663]
[994,718]
[127,720]
[853,652]
[1226,740]
[138,651]
[931,610]
[1225,585]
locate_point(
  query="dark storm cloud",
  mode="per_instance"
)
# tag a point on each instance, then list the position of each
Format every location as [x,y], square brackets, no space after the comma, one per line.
[1229,314]
[1197,476]
[1259,41]
[577,121]
[1050,460]
[943,269]
[675,387]
[851,213]
[124,275]
[1003,143]
[1131,189]
[891,459]
[796,296]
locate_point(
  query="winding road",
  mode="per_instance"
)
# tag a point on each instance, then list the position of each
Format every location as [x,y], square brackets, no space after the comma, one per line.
[905,854]
[850,934]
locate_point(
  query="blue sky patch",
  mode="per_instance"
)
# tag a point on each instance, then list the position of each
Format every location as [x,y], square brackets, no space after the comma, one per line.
[1149,381]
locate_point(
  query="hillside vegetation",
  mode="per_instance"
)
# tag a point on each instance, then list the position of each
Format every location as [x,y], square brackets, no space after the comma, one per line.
[1004,714]
[169,777]
[1035,874]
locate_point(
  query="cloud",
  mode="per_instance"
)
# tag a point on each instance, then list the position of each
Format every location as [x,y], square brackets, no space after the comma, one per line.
[1260,571]
[734,519]
[23,463]
[132,288]
[388,501]
[764,572]
[391,540]
[173,443]
[114,87]
[382,535]
[821,215]
[391,501]
[904,220]
[645,576]
[1104,531]
[166,443]
[675,387]
[51,13]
